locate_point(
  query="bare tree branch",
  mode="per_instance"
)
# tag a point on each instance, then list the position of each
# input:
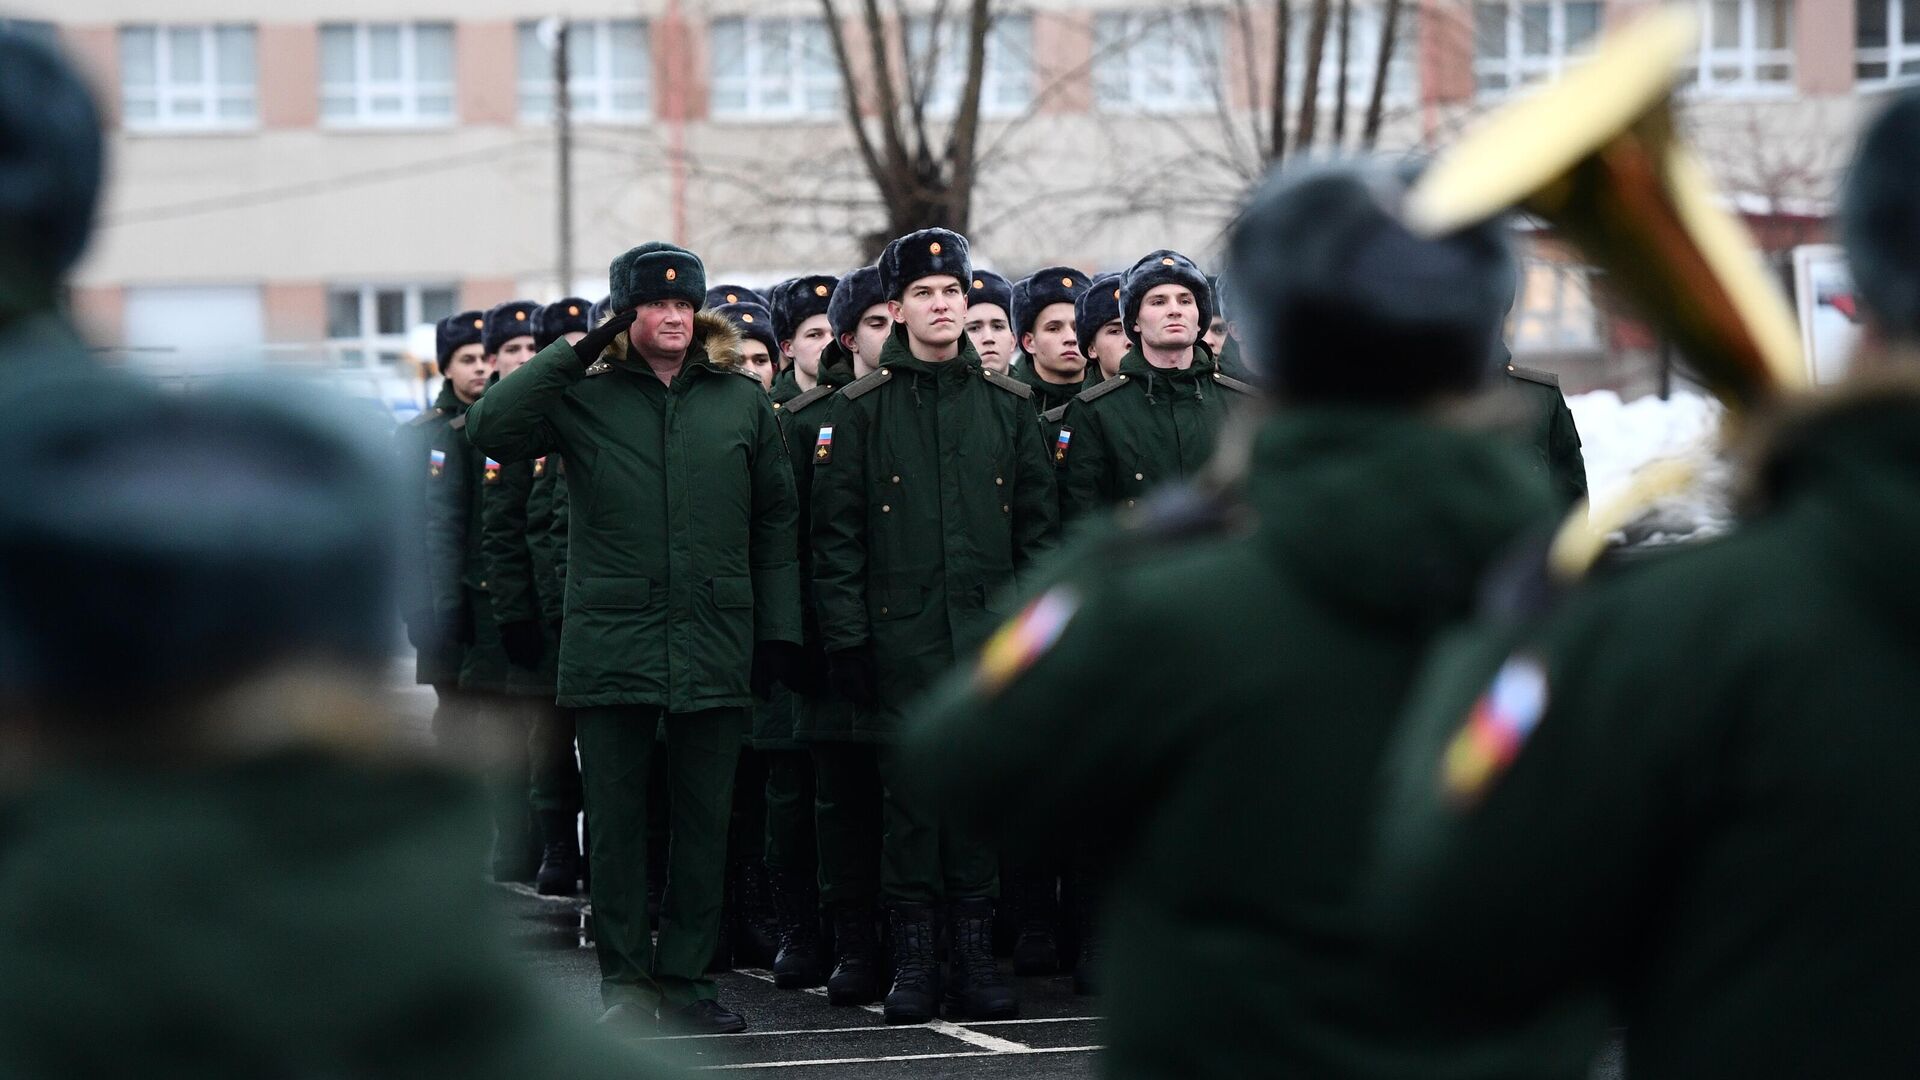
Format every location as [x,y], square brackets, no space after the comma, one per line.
[850,94]
[1340,98]
[1382,67]
[1310,86]
[1282,33]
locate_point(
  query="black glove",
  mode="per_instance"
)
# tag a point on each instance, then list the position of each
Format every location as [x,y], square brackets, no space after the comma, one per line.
[773,661]
[589,348]
[524,645]
[852,676]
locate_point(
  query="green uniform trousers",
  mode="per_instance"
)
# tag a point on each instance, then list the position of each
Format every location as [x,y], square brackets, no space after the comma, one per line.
[556,773]
[790,811]
[921,857]
[486,732]
[617,748]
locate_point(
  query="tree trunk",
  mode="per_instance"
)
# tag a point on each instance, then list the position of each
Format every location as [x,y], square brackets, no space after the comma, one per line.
[1282,34]
[1310,85]
[1340,98]
[1376,104]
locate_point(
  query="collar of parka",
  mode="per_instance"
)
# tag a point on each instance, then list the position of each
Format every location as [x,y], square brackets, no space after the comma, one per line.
[716,345]
[897,353]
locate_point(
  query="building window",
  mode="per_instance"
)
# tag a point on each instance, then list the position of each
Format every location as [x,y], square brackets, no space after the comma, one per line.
[937,53]
[1520,44]
[1746,46]
[1157,61]
[1364,31]
[1556,311]
[386,74]
[187,78]
[773,68]
[609,72]
[369,324]
[1888,40]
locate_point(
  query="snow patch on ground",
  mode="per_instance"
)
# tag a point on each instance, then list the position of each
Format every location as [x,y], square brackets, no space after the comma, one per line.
[1619,438]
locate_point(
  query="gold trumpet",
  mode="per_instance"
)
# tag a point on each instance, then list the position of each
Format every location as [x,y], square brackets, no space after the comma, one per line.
[1596,157]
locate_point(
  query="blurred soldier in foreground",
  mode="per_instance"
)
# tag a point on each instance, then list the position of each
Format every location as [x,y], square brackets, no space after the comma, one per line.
[50,166]
[217,862]
[683,603]
[1693,787]
[1240,804]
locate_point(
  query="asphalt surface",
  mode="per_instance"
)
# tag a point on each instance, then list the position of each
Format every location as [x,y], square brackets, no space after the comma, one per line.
[1055,1037]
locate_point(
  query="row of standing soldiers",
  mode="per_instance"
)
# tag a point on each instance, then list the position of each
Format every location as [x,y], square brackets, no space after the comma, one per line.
[942,427]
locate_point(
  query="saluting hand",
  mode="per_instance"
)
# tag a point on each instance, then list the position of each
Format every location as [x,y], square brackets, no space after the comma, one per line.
[589,348]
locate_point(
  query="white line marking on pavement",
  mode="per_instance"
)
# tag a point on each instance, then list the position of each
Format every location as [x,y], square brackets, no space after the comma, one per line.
[874,1027]
[977,1038]
[900,1057]
[1037,1020]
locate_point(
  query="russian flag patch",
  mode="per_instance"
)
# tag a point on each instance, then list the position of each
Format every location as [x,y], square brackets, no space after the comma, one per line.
[1060,446]
[436,463]
[823,446]
[1506,714]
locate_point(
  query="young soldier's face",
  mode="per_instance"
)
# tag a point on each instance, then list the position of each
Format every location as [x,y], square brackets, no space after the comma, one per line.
[515,352]
[868,338]
[662,327]
[1216,335]
[468,371]
[1110,347]
[931,308]
[1169,318]
[992,335]
[1054,346]
[755,358]
[809,340]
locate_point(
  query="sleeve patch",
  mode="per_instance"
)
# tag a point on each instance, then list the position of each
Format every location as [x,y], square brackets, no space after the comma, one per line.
[1060,445]
[539,467]
[823,445]
[492,473]
[1506,714]
[436,463]
[1016,646]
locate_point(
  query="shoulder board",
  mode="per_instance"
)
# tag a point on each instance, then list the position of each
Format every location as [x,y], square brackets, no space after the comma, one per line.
[865,383]
[1008,383]
[743,372]
[1232,383]
[1544,378]
[598,367]
[427,417]
[459,422]
[1105,387]
[819,391]
[1055,414]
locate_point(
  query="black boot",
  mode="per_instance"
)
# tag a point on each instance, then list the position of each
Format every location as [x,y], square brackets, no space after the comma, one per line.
[797,906]
[974,987]
[560,855]
[856,956]
[1036,949]
[915,997]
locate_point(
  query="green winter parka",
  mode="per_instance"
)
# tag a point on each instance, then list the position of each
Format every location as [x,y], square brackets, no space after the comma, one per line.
[682,555]
[1145,427]
[458,560]
[1709,787]
[437,659]
[932,495]
[1239,805]
[547,536]
[512,571]
[1544,425]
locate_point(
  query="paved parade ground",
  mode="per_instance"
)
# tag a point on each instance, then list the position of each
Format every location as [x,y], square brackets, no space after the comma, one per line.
[1054,1038]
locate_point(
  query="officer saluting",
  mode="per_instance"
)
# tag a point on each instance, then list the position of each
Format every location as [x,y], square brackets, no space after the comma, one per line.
[682,601]
[1076,712]
[931,495]
[1156,420]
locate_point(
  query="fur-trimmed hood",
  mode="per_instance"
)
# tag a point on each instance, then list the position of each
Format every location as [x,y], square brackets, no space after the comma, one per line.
[712,333]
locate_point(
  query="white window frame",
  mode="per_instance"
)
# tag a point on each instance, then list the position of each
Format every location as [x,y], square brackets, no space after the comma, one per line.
[802,76]
[370,342]
[1895,54]
[590,97]
[1519,68]
[1194,84]
[1746,56]
[1006,83]
[209,92]
[1566,279]
[409,89]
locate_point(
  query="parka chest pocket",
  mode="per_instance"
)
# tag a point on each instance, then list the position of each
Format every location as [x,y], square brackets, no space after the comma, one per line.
[615,593]
[732,592]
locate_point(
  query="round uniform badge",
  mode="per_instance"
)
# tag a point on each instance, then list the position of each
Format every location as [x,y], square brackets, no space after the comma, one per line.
[934,247]
[746,316]
[672,273]
[1067,281]
[819,290]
